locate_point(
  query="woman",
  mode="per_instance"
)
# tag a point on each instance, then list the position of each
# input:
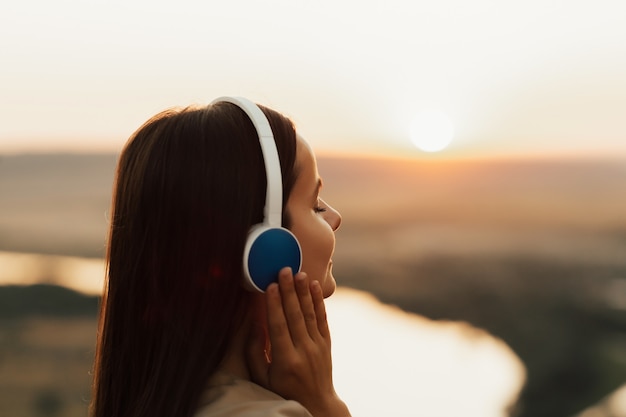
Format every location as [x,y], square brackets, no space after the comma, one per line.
[179,335]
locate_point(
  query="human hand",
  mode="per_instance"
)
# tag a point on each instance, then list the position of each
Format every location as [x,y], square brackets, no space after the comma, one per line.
[299,366]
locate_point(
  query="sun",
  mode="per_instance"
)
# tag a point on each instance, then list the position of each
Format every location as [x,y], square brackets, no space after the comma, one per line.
[431,131]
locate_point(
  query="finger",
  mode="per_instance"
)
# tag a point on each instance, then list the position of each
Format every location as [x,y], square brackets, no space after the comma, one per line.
[303,289]
[320,309]
[277,327]
[291,307]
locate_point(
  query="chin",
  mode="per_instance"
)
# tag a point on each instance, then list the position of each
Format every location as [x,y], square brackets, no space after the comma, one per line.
[330,285]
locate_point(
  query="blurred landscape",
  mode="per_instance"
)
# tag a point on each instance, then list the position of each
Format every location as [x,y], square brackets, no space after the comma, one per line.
[532,251]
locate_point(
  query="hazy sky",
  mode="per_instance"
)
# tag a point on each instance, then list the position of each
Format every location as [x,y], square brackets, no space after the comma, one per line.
[535,77]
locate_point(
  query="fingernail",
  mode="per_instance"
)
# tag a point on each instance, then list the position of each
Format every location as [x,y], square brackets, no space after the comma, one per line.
[315,286]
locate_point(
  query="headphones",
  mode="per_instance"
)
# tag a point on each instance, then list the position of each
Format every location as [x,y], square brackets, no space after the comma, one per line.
[269,247]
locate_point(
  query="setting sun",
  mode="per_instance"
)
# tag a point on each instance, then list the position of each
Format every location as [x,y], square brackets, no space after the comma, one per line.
[431,131]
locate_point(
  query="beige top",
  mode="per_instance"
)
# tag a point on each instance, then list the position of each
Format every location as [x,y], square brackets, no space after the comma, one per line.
[228,396]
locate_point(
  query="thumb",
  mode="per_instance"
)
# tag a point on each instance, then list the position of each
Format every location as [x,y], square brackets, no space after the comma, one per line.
[256,355]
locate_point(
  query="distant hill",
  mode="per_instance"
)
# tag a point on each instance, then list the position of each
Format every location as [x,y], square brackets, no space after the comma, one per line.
[59,203]
[45,300]
[55,203]
[580,194]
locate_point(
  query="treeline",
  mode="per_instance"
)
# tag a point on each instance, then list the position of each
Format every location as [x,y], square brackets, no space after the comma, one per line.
[19,301]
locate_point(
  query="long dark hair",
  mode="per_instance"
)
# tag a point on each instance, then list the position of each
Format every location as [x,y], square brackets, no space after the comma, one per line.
[190,183]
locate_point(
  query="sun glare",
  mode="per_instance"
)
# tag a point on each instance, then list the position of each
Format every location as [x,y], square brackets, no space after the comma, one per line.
[431,131]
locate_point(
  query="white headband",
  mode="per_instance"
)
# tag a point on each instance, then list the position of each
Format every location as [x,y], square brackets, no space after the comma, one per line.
[274,192]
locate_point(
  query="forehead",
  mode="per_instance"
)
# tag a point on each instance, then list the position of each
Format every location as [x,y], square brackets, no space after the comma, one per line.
[305,160]
[306,167]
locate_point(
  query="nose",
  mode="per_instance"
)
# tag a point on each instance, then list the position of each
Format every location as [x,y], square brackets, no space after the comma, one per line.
[334,218]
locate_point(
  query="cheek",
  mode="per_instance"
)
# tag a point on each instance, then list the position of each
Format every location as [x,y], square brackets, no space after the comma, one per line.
[318,244]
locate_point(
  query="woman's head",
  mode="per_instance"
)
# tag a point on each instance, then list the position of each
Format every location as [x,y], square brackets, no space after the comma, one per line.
[189,185]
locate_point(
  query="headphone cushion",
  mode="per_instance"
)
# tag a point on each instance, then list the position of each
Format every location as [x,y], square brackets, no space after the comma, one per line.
[267,251]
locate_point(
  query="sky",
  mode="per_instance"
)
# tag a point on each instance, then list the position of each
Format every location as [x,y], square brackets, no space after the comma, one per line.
[534,78]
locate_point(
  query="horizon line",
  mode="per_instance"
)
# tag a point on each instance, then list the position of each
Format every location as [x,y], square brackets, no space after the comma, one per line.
[421,157]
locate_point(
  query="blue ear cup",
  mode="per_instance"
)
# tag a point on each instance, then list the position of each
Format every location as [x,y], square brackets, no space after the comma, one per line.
[267,251]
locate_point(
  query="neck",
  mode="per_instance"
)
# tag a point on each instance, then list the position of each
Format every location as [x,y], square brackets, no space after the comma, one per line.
[236,363]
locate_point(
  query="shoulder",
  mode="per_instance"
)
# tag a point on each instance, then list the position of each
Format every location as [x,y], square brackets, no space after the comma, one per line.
[241,398]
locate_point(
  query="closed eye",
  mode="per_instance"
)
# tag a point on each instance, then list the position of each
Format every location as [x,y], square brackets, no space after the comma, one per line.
[319,206]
